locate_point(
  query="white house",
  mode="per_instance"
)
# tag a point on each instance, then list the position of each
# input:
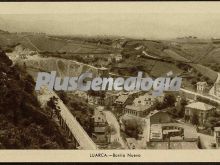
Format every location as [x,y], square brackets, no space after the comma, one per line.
[201,87]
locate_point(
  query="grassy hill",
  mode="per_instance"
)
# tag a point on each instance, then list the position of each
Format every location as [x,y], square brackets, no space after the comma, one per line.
[188,59]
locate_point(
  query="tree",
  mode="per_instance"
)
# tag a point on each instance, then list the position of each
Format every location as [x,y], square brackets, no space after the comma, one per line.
[158,105]
[169,100]
[63,97]
[181,111]
[22,120]
[132,128]
[52,103]
[5,59]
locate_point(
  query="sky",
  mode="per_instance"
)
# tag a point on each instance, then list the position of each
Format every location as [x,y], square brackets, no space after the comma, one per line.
[159,20]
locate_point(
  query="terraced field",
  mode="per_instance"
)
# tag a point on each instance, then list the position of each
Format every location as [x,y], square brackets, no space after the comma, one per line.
[168,57]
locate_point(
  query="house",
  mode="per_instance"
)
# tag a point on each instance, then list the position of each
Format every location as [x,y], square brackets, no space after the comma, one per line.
[146,99]
[139,111]
[217,89]
[117,57]
[161,132]
[158,117]
[176,131]
[198,112]
[118,43]
[132,143]
[159,98]
[217,136]
[201,87]
[172,132]
[100,126]
[172,136]
[122,101]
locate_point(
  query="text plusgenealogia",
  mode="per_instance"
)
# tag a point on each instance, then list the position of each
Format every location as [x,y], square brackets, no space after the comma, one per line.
[86,82]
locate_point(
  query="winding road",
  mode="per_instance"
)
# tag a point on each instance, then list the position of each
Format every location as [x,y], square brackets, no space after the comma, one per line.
[111,119]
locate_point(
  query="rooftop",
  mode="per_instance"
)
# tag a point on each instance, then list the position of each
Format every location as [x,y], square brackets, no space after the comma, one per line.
[201,83]
[122,98]
[143,99]
[153,113]
[137,108]
[200,106]
[217,128]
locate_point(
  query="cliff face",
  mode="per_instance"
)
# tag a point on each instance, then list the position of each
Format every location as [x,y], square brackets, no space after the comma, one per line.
[23,124]
[62,66]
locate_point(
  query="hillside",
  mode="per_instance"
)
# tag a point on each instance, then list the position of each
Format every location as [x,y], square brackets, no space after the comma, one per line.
[24,125]
[194,59]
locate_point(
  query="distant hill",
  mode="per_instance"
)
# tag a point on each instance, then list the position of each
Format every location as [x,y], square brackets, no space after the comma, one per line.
[45,43]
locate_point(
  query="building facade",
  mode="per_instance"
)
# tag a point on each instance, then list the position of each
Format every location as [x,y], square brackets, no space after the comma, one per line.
[100,135]
[198,112]
[164,132]
[157,117]
[123,100]
[201,87]
[139,111]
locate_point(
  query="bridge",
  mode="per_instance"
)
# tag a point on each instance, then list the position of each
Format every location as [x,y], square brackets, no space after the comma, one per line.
[68,122]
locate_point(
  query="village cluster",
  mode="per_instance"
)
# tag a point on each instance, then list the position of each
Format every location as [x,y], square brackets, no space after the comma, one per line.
[137,120]
[156,128]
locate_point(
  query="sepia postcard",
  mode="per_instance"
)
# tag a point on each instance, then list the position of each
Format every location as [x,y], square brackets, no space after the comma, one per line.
[109,81]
